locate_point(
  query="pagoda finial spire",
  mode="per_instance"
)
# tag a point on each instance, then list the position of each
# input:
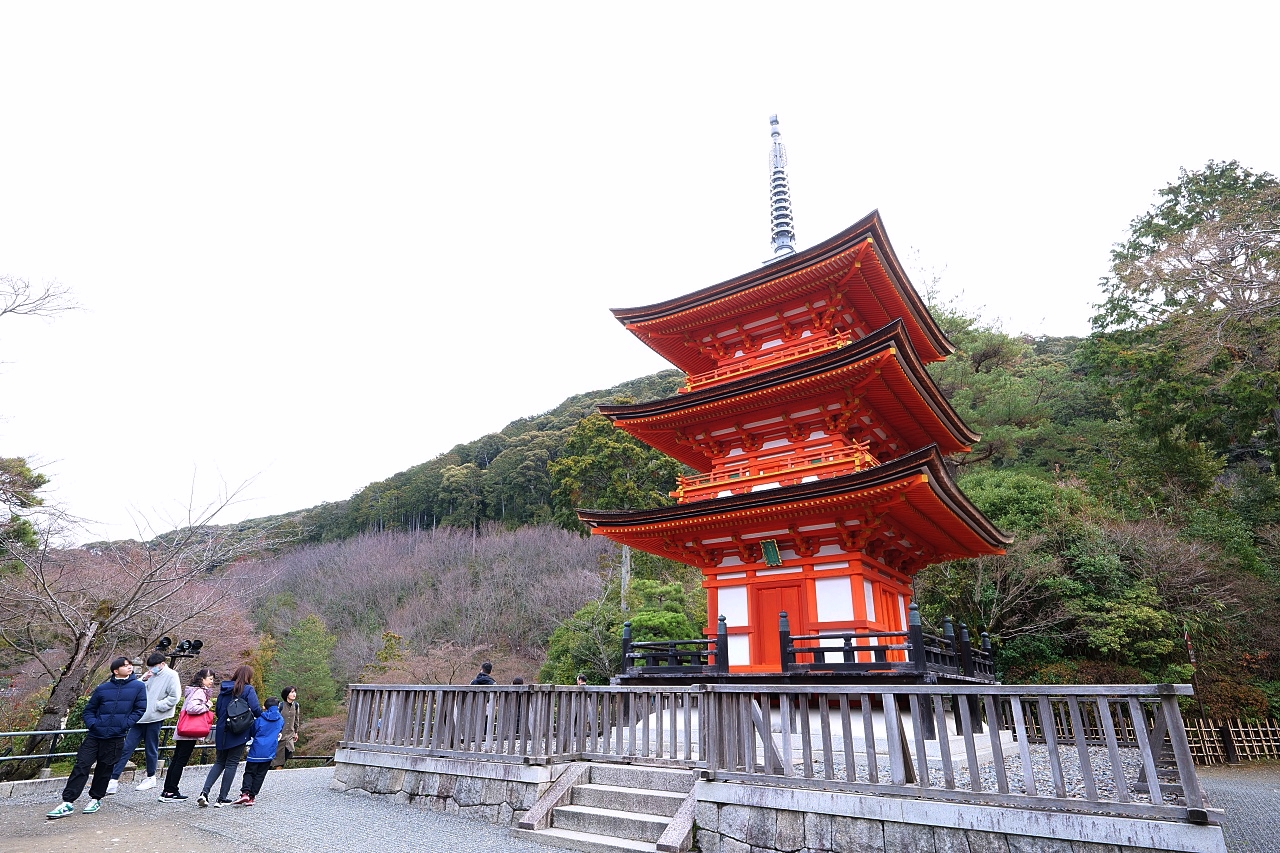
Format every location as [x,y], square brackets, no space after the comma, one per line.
[782,227]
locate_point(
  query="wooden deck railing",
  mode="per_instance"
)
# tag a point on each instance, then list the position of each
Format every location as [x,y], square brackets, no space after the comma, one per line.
[527,724]
[1114,749]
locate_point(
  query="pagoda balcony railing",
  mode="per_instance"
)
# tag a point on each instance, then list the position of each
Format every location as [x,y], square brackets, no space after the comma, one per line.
[826,462]
[909,652]
[767,360]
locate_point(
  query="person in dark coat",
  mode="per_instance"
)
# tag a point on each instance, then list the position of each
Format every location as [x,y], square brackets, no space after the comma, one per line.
[485,676]
[229,747]
[267,730]
[115,705]
[292,713]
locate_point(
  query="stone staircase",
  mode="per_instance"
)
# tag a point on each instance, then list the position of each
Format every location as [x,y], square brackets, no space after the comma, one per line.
[617,807]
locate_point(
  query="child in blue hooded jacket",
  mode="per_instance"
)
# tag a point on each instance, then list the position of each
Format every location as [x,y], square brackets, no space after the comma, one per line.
[266,735]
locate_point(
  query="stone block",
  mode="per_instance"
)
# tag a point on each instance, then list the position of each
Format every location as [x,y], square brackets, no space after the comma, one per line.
[495,791]
[6,789]
[504,814]
[908,836]
[335,785]
[706,816]
[733,822]
[437,804]
[858,835]
[789,836]
[1093,847]
[451,806]
[484,812]
[402,798]
[342,772]
[445,784]
[762,828]
[986,842]
[707,842]
[1033,844]
[948,840]
[384,780]
[517,816]
[468,791]
[817,831]
[733,845]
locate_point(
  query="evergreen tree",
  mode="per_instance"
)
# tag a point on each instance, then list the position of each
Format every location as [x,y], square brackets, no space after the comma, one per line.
[302,660]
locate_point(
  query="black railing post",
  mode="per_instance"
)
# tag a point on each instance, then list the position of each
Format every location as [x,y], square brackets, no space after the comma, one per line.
[785,652]
[626,646]
[722,645]
[1229,752]
[951,657]
[966,665]
[915,637]
[988,663]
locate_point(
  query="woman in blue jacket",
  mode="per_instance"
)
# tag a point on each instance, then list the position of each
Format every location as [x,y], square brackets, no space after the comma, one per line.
[230,745]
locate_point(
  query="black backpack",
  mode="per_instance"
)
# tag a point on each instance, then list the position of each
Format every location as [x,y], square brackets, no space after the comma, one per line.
[239,716]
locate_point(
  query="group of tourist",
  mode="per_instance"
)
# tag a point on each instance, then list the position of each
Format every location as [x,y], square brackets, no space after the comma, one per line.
[126,710]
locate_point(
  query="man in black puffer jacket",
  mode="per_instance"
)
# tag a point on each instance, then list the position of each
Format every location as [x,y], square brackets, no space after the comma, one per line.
[116,704]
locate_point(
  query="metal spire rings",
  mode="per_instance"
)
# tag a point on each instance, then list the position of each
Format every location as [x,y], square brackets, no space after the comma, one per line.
[781,224]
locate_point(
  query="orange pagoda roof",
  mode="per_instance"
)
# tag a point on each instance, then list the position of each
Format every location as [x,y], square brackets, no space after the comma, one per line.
[882,369]
[858,266]
[910,504]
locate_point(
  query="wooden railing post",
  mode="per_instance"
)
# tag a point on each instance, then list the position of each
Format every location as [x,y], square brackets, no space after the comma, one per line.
[787,655]
[626,646]
[722,645]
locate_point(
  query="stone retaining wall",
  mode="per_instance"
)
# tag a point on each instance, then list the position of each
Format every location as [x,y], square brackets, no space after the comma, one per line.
[734,818]
[494,792]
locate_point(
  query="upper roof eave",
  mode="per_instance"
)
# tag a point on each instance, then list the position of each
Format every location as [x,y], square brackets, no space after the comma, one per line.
[892,335]
[869,226]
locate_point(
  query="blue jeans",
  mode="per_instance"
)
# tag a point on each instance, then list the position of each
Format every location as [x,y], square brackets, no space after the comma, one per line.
[149,734]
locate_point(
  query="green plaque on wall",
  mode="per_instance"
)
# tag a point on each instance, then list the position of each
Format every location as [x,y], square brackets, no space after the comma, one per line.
[771,555]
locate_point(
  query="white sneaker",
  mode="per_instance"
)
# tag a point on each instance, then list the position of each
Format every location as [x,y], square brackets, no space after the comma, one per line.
[147,784]
[112,785]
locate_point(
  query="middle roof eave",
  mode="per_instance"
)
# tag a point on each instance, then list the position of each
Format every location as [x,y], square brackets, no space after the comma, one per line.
[891,336]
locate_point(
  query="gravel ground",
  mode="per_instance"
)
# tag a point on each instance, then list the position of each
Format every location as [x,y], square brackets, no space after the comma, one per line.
[1250,793]
[295,812]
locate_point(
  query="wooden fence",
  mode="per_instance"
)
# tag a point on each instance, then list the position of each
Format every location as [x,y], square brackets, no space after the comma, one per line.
[1215,741]
[1114,749]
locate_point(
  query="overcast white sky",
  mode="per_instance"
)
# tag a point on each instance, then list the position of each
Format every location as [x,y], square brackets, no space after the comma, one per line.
[321,243]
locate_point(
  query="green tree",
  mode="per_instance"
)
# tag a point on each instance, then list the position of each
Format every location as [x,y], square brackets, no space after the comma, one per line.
[1189,332]
[605,468]
[302,659]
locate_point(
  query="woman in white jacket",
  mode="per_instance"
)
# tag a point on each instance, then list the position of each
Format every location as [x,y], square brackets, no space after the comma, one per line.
[197,701]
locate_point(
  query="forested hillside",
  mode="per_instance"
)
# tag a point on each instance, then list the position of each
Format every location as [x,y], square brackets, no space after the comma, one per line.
[502,477]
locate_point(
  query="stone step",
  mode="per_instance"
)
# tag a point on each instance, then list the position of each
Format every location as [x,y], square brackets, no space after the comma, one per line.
[610,822]
[627,799]
[588,842]
[645,778]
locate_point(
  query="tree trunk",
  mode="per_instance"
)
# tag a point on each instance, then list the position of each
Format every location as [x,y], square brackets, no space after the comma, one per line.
[68,687]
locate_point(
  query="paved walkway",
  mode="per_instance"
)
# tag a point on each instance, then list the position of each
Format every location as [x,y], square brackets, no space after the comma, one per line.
[295,812]
[1250,793]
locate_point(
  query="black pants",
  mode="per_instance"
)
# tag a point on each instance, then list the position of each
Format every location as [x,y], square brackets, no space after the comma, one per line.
[182,750]
[106,752]
[254,774]
[225,763]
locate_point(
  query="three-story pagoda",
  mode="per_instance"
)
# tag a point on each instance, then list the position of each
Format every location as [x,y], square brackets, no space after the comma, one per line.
[819,440]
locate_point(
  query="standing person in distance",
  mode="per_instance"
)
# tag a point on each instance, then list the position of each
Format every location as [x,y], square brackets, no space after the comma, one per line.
[115,705]
[164,691]
[485,676]
[237,708]
[198,702]
[292,713]
[266,734]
